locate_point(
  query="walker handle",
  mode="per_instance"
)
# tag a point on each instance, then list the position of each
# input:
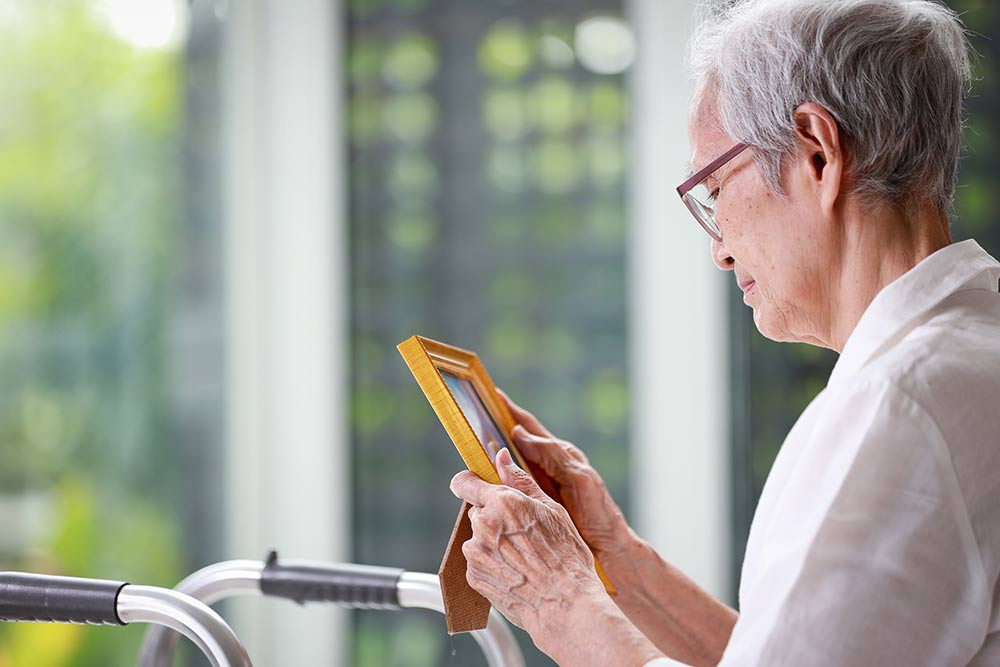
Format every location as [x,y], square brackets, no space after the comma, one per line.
[360,587]
[49,599]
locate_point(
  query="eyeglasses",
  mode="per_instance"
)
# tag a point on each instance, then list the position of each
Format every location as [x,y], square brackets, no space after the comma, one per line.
[700,199]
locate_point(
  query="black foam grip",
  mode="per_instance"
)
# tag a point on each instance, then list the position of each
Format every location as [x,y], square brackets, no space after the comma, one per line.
[357,586]
[48,599]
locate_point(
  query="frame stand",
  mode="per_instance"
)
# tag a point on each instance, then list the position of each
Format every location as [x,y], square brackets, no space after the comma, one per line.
[465,609]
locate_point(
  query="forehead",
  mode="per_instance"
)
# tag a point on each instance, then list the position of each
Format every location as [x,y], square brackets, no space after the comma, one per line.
[707,138]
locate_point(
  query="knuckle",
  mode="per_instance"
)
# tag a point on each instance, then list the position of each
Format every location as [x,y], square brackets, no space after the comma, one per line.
[518,501]
[573,471]
[522,477]
[480,524]
[568,450]
[581,469]
[485,521]
[486,529]
[576,454]
[469,548]
[591,475]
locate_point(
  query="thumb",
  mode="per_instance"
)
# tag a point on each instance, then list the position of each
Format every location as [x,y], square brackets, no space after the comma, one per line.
[516,478]
[541,451]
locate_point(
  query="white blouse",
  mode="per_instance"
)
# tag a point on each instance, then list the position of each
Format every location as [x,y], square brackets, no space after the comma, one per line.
[876,540]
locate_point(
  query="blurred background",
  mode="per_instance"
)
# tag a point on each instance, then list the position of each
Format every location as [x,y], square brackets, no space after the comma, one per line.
[219,217]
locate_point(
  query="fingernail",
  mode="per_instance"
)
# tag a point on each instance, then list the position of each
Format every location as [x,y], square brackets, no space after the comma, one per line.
[507,462]
[517,430]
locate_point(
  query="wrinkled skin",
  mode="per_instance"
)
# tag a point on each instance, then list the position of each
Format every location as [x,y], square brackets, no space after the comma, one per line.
[528,558]
[583,492]
[523,541]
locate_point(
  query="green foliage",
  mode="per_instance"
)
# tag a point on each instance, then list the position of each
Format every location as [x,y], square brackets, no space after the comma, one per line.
[89,143]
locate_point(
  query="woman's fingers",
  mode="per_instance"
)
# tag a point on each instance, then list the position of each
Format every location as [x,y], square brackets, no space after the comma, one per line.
[470,487]
[537,449]
[516,478]
[560,460]
[492,448]
[525,555]
[523,417]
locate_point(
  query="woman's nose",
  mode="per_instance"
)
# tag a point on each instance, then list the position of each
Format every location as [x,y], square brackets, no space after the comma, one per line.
[721,256]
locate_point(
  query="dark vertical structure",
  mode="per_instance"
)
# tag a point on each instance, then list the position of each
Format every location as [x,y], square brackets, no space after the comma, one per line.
[196,350]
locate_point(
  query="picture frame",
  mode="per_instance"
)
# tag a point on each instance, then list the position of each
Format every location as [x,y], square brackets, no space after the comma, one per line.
[464,398]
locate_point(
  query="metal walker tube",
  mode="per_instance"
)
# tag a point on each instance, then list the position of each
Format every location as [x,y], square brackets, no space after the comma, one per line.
[209,585]
[168,609]
[356,586]
[37,598]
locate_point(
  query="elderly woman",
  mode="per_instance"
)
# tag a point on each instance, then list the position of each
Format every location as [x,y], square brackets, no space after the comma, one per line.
[825,138]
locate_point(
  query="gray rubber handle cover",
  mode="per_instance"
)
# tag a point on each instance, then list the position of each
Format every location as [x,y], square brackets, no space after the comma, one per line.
[49,599]
[362,587]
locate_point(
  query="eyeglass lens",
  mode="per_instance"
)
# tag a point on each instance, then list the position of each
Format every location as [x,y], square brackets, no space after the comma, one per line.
[702,204]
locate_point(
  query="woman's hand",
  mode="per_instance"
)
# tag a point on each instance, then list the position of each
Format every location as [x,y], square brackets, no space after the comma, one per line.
[525,554]
[595,513]
[528,559]
[677,616]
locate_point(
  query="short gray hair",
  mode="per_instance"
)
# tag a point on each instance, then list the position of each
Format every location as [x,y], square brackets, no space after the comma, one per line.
[892,73]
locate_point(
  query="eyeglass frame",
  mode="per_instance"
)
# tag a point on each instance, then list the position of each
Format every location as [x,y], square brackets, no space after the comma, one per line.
[695,180]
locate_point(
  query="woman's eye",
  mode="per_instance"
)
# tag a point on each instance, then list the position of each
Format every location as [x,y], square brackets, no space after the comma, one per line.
[714,195]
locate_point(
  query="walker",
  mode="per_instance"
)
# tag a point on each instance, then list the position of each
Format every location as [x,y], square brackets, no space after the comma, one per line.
[345,584]
[37,598]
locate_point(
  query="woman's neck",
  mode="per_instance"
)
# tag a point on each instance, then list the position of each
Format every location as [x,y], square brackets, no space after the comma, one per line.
[877,250]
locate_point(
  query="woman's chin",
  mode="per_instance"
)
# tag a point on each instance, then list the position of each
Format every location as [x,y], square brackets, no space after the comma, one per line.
[766,326]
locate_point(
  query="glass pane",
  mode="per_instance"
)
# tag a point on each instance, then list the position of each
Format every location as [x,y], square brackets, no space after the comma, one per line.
[487,171]
[109,409]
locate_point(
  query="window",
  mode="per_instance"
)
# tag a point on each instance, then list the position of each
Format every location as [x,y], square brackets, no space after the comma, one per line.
[487,168]
[110,397]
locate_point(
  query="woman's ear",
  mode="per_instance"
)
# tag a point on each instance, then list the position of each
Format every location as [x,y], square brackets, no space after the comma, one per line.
[822,152]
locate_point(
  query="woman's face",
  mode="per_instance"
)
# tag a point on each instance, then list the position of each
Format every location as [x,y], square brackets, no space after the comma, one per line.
[779,248]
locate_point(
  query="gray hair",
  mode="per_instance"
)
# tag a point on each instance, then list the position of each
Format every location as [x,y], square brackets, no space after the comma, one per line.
[892,73]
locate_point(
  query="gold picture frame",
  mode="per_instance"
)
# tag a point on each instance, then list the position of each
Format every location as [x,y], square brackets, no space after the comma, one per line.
[465,400]
[443,371]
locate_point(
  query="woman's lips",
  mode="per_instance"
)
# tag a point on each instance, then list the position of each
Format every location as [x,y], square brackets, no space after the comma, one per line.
[746,289]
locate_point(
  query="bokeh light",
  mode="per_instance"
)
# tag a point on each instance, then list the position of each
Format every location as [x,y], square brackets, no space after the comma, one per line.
[605,44]
[146,24]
